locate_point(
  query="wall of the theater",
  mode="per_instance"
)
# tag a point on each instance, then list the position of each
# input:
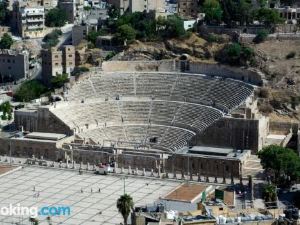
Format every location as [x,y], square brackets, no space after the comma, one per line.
[205,166]
[235,133]
[251,76]
[141,66]
[41,120]
[283,127]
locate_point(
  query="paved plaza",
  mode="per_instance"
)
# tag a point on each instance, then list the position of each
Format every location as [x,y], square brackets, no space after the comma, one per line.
[80,192]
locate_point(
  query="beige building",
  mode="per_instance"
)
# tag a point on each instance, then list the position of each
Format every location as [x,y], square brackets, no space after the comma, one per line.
[187,8]
[29,21]
[56,62]
[14,64]
[147,5]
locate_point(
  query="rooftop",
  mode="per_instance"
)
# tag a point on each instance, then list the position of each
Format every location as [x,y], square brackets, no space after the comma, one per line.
[45,136]
[186,193]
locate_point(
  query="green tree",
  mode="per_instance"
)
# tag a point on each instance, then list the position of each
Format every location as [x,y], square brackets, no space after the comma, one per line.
[125,205]
[126,32]
[269,17]
[261,36]
[236,54]
[113,12]
[29,90]
[6,110]
[270,195]
[237,12]
[174,27]
[6,41]
[213,11]
[59,80]
[282,163]
[56,17]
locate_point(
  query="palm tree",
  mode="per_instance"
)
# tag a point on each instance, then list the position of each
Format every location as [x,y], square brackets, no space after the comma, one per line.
[125,205]
[33,221]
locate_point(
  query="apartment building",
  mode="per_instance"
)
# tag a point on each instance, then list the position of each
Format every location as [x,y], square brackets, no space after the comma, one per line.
[188,8]
[28,21]
[14,64]
[56,62]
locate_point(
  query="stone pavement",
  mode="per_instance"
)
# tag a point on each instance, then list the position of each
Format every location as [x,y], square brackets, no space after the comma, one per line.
[81,192]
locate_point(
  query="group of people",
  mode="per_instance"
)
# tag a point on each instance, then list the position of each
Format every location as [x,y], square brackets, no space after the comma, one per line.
[99,190]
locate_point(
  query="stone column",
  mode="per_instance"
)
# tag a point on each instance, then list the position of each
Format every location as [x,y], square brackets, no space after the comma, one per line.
[144,172]
[207,179]
[129,170]
[199,177]
[137,171]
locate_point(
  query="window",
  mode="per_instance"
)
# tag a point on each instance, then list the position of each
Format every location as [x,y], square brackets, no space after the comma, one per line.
[70,55]
[70,63]
[56,64]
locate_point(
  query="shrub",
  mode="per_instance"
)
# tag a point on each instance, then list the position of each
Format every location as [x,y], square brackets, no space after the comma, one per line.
[30,90]
[56,18]
[261,36]
[263,93]
[236,54]
[291,55]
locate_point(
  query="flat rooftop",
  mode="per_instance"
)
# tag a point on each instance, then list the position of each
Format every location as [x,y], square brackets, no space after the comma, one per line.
[186,193]
[45,136]
[63,188]
[275,139]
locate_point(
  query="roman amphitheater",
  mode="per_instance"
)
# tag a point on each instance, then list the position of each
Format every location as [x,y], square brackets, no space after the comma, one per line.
[166,117]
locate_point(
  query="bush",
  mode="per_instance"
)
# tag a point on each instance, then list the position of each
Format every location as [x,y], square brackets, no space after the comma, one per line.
[51,39]
[110,55]
[6,41]
[30,90]
[77,71]
[6,109]
[291,55]
[59,80]
[265,108]
[261,36]
[236,54]
[263,93]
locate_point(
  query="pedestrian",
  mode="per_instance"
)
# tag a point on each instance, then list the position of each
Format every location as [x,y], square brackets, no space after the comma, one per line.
[81,190]
[91,190]
[33,188]
[99,190]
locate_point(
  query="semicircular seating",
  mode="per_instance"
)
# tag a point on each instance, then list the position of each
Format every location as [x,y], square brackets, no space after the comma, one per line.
[133,107]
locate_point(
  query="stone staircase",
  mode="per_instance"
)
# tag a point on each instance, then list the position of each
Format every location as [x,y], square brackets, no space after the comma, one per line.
[253,167]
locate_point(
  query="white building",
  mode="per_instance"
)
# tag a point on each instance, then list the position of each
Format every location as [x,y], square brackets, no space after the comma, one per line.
[29,21]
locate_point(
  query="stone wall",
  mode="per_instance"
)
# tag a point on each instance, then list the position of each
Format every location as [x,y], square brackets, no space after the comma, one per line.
[140,66]
[247,75]
[205,166]
[283,127]
[235,133]
[41,120]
